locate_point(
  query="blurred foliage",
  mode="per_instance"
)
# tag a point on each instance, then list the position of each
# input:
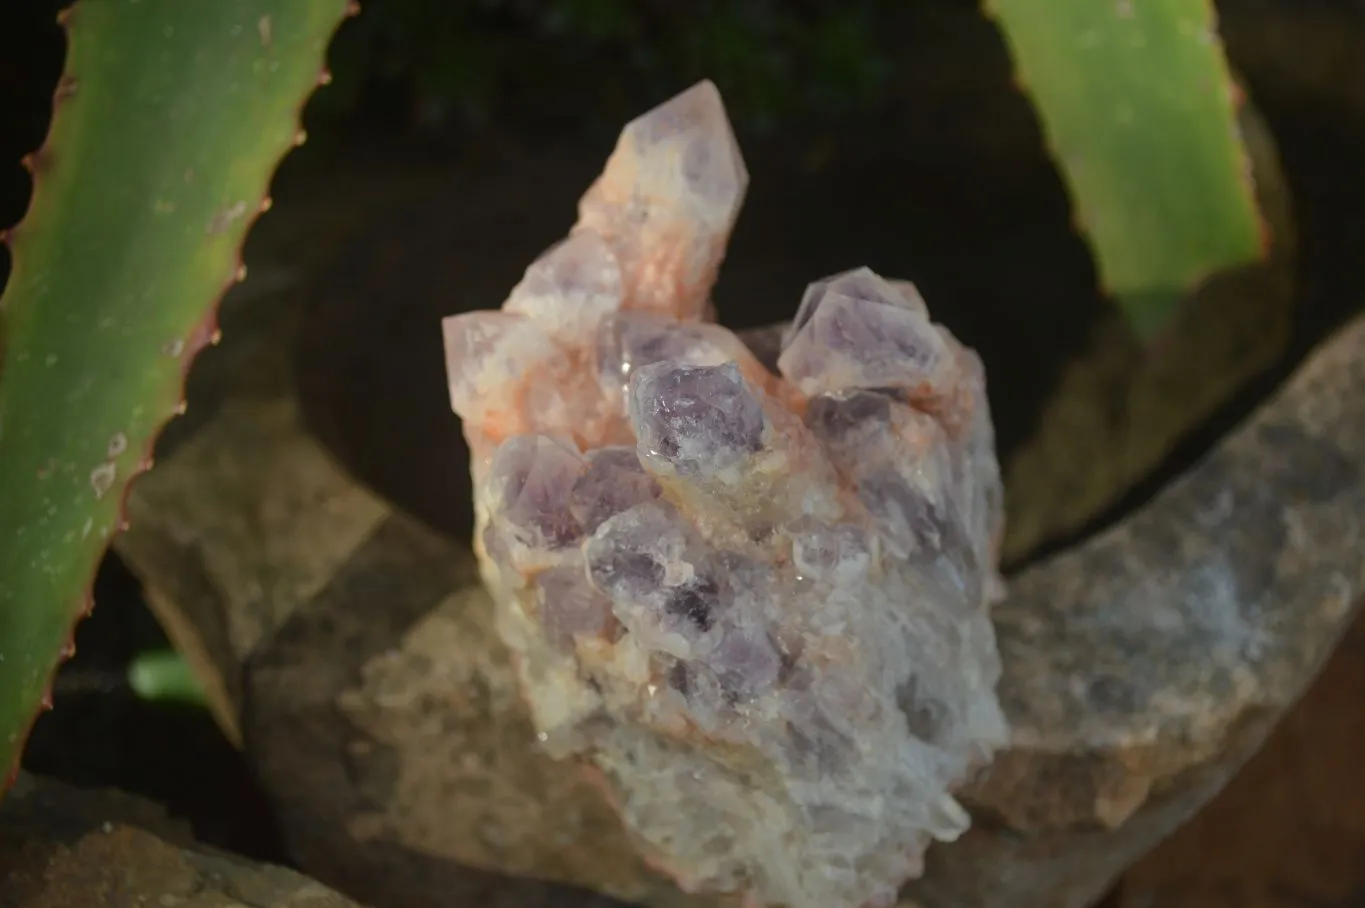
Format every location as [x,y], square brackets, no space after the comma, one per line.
[774,60]
[163,676]
[1141,112]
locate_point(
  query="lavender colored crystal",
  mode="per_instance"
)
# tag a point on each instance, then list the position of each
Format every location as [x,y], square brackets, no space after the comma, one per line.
[659,577]
[841,342]
[746,661]
[907,515]
[849,422]
[614,482]
[858,284]
[629,341]
[629,555]
[695,419]
[701,165]
[668,199]
[530,482]
[570,606]
[570,288]
[913,502]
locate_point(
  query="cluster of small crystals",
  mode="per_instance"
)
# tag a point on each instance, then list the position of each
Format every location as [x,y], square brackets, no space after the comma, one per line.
[757,603]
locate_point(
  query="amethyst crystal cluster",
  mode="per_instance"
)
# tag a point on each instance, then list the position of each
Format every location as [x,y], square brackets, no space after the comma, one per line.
[756,603]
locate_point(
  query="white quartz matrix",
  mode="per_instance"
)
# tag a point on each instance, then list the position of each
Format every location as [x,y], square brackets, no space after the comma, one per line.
[756,605]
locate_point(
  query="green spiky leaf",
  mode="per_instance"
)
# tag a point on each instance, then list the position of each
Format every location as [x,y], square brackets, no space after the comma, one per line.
[169,120]
[1139,108]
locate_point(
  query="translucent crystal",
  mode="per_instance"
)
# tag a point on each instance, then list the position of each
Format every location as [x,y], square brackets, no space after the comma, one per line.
[651,565]
[833,553]
[570,606]
[614,482]
[508,376]
[668,199]
[698,420]
[488,355]
[746,661]
[757,603]
[571,288]
[528,489]
[630,340]
[858,284]
[874,339]
[629,556]
[867,435]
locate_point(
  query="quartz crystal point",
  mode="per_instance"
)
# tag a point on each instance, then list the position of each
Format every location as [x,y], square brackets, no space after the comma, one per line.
[668,199]
[755,604]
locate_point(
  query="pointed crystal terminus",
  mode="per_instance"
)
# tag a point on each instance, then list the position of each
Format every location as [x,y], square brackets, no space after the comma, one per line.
[668,200]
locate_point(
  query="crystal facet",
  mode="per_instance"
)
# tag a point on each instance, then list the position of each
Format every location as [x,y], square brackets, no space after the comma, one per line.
[697,420]
[850,342]
[758,604]
[529,484]
[615,482]
[858,284]
[571,606]
[570,288]
[668,199]
[631,340]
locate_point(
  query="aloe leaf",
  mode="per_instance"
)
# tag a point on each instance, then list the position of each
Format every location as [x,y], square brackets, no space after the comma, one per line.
[168,123]
[1140,110]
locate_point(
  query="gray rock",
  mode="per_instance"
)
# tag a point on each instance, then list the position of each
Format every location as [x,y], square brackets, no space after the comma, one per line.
[61,847]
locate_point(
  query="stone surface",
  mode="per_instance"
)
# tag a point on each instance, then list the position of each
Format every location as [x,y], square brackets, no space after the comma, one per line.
[756,605]
[65,848]
[1289,831]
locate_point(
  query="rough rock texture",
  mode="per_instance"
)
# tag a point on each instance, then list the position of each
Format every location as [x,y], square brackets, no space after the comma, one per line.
[1289,831]
[758,605]
[65,848]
